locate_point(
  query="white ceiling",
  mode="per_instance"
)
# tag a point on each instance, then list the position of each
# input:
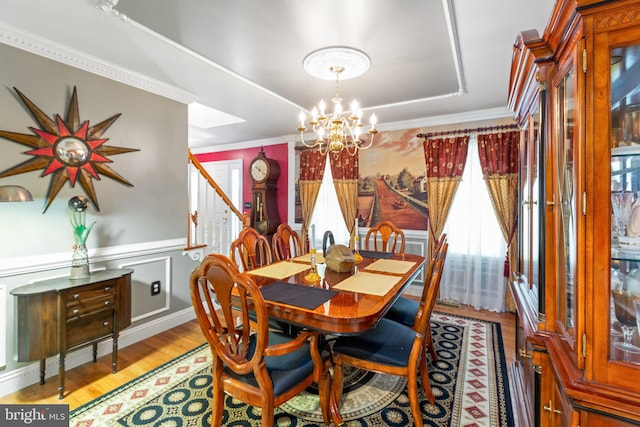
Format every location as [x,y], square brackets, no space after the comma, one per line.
[244,58]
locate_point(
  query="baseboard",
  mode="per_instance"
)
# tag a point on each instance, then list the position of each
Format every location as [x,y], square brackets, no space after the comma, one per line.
[18,379]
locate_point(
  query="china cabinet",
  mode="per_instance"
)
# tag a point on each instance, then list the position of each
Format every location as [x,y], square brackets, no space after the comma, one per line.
[575,92]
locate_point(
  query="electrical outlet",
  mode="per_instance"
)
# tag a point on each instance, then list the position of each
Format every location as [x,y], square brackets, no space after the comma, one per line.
[155,287]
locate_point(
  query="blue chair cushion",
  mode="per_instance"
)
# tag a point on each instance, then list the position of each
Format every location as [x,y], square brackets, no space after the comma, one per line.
[404,310]
[287,370]
[388,343]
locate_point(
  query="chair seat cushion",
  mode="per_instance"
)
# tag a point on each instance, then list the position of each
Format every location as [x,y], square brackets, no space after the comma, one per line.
[286,371]
[388,343]
[404,310]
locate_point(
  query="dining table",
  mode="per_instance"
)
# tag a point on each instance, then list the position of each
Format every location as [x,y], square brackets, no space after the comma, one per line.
[345,303]
[340,303]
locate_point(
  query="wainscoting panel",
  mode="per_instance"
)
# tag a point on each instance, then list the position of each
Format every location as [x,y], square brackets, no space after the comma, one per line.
[3,327]
[146,273]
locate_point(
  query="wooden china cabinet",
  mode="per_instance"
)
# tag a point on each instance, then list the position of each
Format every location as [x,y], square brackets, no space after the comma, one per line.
[575,92]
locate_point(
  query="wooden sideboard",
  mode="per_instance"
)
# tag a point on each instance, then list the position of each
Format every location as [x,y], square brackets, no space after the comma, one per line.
[57,315]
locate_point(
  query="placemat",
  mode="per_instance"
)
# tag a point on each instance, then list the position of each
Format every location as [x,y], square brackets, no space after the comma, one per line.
[298,295]
[307,258]
[376,254]
[391,266]
[368,283]
[279,270]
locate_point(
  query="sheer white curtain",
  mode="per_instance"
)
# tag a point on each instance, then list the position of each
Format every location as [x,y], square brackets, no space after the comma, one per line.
[327,214]
[474,269]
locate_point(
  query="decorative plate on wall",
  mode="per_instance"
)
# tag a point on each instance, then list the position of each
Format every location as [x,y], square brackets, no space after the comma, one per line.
[68,150]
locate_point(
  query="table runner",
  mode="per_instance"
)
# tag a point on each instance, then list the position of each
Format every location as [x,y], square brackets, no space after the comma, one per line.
[390,266]
[279,270]
[368,283]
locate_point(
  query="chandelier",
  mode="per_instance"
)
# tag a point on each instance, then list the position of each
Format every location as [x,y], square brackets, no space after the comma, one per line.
[338,130]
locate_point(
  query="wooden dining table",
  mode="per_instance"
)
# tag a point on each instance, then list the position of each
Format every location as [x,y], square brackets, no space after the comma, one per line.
[357,299]
[349,303]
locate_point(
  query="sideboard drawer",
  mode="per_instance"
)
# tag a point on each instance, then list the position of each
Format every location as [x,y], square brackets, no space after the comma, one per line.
[89,300]
[89,328]
[88,307]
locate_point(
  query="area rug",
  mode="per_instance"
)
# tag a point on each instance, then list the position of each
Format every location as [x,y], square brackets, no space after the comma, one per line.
[469,381]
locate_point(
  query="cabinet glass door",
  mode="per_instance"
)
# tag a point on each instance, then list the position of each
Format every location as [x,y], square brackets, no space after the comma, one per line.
[567,214]
[625,190]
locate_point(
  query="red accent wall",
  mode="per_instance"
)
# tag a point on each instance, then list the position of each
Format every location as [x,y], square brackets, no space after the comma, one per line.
[278,152]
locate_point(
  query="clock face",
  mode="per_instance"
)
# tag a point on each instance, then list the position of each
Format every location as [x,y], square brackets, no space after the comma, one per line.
[259,170]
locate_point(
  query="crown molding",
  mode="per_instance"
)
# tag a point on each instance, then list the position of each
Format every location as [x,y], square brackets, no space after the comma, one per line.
[447,119]
[76,59]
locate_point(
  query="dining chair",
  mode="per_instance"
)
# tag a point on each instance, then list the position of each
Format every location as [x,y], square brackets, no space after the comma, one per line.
[327,240]
[250,250]
[391,238]
[404,310]
[251,363]
[286,243]
[391,348]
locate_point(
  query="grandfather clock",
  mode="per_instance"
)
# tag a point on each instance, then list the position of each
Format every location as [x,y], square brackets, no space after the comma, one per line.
[264,173]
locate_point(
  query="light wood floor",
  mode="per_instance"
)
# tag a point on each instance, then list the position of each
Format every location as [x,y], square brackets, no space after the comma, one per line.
[92,380]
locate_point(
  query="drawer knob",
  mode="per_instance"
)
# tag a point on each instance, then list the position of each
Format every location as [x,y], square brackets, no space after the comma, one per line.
[105,324]
[107,302]
[76,296]
[107,288]
[76,311]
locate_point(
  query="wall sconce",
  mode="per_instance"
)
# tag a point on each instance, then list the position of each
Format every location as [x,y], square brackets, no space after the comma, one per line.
[14,193]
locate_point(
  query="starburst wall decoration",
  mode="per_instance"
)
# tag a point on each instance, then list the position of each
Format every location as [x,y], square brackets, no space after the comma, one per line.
[68,150]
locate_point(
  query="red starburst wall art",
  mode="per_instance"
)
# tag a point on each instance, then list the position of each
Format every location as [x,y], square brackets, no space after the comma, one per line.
[67,150]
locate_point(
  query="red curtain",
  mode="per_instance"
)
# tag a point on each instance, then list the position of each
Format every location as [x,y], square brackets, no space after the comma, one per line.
[345,171]
[499,153]
[312,165]
[343,165]
[445,159]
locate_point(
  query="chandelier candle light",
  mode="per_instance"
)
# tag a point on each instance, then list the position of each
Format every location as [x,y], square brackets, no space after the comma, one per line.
[336,132]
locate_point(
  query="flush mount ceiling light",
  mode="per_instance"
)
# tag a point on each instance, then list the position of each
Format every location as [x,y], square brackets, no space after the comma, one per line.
[341,132]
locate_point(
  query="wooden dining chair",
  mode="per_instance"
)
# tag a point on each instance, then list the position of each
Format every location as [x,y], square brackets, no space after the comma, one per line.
[327,241]
[391,348]
[386,237]
[251,363]
[286,243]
[404,310]
[250,250]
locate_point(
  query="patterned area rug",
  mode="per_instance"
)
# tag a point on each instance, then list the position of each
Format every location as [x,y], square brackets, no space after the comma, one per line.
[469,381]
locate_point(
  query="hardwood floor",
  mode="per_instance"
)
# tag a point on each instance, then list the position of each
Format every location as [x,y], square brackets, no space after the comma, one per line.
[92,380]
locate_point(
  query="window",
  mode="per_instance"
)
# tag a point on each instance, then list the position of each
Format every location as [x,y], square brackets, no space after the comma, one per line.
[327,214]
[474,269]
